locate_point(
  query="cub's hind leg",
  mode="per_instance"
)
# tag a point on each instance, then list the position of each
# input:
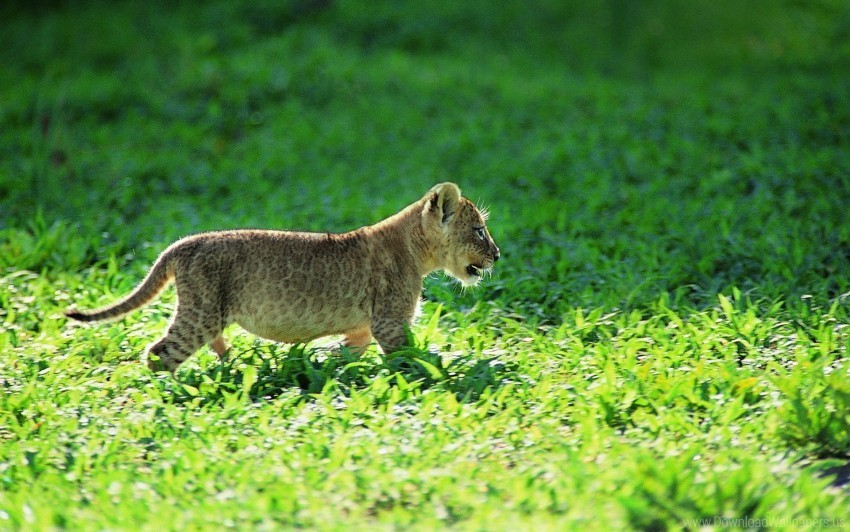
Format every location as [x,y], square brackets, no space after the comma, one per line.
[219,345]
[189,331]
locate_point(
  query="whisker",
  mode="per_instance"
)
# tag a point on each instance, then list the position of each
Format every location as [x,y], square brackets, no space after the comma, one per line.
[485,212]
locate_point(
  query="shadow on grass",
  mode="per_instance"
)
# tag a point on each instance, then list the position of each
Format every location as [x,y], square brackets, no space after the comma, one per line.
[839,474]
[266,372]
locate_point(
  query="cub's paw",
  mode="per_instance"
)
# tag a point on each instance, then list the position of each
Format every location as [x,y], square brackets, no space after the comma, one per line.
[156,364]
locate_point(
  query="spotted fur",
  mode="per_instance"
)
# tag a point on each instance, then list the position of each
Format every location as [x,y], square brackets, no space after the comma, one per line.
[295,286]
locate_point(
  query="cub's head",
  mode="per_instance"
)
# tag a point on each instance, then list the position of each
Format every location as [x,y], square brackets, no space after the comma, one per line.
[464,247]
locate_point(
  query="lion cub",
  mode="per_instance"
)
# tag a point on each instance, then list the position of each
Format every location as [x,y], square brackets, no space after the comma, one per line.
[294,287]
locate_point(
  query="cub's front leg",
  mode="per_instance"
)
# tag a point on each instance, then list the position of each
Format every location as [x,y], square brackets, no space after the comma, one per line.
[391,327]
[358,341]
[391,335]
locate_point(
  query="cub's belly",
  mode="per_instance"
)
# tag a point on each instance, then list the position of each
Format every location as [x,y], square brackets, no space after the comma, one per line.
[301,328]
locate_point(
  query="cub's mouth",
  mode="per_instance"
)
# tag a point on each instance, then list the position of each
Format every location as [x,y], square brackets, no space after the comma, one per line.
[474,273]
[474,270]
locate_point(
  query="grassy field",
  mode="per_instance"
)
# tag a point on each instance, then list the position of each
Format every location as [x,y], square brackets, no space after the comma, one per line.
[663,345]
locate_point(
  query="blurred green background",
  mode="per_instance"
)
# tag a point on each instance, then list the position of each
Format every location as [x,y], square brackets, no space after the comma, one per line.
[625,148]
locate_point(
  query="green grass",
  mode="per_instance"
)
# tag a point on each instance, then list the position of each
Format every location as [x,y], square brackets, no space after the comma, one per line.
[664,341]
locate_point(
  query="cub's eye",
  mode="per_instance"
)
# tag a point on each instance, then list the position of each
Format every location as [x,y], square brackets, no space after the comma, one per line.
[479,232]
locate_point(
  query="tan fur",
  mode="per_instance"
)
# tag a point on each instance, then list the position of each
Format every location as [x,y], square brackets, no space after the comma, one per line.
[295,287]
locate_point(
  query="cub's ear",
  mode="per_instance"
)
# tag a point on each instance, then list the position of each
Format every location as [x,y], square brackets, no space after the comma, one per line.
[443,201]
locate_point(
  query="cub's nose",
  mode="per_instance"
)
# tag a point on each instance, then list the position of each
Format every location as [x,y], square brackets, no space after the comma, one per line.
[496,253]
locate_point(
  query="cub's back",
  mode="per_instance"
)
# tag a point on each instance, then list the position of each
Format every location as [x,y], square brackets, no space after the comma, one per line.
[255,268]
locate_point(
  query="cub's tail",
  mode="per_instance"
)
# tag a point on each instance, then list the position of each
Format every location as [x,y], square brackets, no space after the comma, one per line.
[161,273]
